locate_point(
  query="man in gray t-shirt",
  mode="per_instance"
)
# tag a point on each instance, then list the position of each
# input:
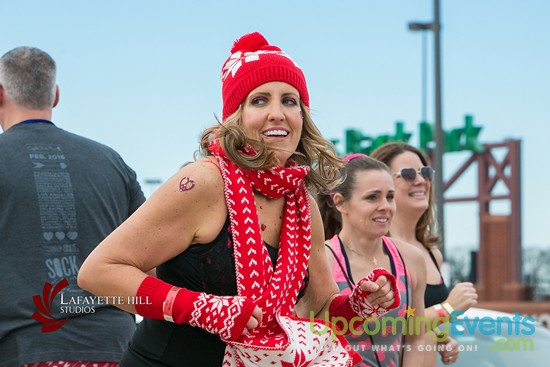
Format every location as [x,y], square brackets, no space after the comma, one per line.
[60,196]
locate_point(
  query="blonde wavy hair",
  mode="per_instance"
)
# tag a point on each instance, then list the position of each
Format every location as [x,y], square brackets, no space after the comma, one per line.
[313,150]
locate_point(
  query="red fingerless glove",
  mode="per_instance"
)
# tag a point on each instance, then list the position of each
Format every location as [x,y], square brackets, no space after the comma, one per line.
[226,316]
[356,304]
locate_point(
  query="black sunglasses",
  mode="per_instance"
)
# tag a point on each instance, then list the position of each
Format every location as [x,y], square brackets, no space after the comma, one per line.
[410,173]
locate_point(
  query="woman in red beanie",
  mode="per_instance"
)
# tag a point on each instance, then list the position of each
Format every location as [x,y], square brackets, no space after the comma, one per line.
[236,240]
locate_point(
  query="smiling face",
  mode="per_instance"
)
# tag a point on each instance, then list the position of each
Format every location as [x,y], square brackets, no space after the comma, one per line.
[410,195]
[272,113]
[371,206]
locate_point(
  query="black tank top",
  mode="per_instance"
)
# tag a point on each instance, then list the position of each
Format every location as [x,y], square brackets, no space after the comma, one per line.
[435,293]
[208,268]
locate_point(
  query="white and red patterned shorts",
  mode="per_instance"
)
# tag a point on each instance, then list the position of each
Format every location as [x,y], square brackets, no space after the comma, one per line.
[71,364]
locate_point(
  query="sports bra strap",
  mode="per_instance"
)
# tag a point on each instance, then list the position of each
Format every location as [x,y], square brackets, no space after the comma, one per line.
[400,268]
[434,260]
[337,269]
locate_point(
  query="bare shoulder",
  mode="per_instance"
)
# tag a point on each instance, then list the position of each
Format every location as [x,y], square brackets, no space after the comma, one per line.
[192,181]
[202,183]
[414,259]
[196,179]
[318,258]
[316,223]
[437,254]
[312,201]
[193,196]
[409,251]
[188,208]
[317,229]
[206,168]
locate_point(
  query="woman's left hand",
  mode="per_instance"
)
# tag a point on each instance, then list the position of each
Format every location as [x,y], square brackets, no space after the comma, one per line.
[448,349]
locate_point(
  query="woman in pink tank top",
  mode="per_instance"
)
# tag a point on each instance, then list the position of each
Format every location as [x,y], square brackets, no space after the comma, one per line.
[356,216]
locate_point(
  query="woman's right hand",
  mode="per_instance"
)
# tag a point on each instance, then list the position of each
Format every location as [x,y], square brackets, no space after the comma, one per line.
[462,296]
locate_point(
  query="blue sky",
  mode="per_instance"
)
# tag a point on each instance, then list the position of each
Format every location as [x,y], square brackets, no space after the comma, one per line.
[143,76]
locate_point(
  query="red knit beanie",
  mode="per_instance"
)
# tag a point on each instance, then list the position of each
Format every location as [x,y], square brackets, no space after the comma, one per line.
[253,62]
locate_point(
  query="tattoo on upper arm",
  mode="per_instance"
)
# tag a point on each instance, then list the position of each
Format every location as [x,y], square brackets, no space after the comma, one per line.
[186,184]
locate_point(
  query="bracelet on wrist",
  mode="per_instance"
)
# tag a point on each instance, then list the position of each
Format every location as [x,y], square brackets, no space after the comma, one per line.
[168,304]
[448,308]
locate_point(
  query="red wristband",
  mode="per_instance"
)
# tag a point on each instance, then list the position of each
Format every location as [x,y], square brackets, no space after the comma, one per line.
[163,304]
[168,305]
[156,291]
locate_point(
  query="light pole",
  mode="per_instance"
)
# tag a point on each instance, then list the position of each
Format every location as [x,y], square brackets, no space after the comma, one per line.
[439,139]
[417,26]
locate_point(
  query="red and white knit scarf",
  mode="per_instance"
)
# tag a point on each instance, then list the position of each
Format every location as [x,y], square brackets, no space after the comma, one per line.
[281,339]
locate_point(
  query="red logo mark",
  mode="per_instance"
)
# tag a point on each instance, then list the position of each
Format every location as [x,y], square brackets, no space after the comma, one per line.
[43,306]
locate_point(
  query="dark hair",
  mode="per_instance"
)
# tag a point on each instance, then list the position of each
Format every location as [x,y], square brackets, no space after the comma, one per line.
[332,219]
[425,227]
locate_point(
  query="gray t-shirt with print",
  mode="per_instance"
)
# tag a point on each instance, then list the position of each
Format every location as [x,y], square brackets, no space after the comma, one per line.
[60,196]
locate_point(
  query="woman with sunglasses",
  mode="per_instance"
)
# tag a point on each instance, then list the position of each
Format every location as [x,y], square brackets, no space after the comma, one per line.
[414,224]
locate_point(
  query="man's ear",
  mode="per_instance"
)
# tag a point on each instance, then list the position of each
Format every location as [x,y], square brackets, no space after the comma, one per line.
[56,100]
